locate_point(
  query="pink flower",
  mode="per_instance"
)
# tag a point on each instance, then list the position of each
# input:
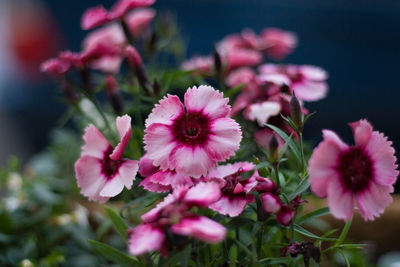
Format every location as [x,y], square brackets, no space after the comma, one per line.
[307,82]
[55,66]
[239,57]
[246,77]
[98,15]
[199,65]
[191,142]
[174,214]
[279,43]
[122,7]
[94,17]
[235,190]
[139,19]
[365,172]
[103,48]
[101,172]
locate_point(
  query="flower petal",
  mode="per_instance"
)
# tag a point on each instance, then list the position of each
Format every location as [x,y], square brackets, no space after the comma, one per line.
[309,90]
[89,178]
[125,131]
[229,206]
[191,161]
[263,111]
[207,100]
[168,109]
[163,181]
[203,194]
[322,164]
[380,149]
[223,171]
[159,142]
[340,200]
[224,139]
[362,131]
[94,17]
[373,200]
[145,238]
[200,227]
[95,143]
[153,214]
[146,167]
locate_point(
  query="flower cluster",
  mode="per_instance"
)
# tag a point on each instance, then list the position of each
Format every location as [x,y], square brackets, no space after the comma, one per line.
[177,152]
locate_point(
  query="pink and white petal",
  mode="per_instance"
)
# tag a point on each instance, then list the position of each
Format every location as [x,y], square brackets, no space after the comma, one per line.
[270,203]
[146,167]
[153,214]
[151,186]
[207,100]
[201,228]
[274,78]
[224,139]
[241,102]
[95,143]
[125,131]
[89,178]
[362,131]
[373,200]
[263,111]
[128,171]
[94,17]
[138,20]
[168,109]
[159,143]
[382,154]
[191,161]
[323,161]
[313,73]
[229,206]
[145,238]
[223,171]
[269,68]
[340,200]
[310,90]
[113,187]
[107,64]
[122,7]
[203,194]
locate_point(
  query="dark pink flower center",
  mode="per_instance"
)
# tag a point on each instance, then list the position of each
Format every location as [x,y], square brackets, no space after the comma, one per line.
[355,168]
[231,183]
[192,128]
[110,167]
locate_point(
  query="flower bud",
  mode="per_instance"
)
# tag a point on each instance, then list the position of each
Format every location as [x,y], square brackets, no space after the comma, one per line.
[217,61]
[156,88]
[295,113]
[285,215]
[69,91]
[270,203]
[114,95]
[273,149]
[136,63]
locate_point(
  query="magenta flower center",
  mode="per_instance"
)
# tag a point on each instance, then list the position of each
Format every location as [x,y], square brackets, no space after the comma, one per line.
[355,168]
[110,167]
[231,182]
[192,128]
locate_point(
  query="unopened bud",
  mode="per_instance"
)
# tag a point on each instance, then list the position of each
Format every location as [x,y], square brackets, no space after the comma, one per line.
[136,63]
[295,113]
[217,61]
[114,95]
[273,149]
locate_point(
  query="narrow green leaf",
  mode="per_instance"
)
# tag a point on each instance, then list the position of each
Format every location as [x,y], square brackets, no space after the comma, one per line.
[301,187]
[285,137]
[346,260]
[313,214]
[113,254]
[304,232]
[118,222]
[344,232]
[273,260]
[244,248]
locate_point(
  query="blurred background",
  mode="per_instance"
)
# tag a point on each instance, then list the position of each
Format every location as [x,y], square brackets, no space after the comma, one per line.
[357,42]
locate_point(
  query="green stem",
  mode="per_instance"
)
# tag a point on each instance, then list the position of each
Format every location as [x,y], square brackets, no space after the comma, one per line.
[303,163]
[278,182]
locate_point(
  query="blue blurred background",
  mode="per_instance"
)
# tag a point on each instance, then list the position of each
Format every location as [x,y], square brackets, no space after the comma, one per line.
[357,42]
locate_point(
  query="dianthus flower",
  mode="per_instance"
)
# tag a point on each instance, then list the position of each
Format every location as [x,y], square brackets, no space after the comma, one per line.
[101,172]
[235,190]
[191,141]
[173,215]
[365,172]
